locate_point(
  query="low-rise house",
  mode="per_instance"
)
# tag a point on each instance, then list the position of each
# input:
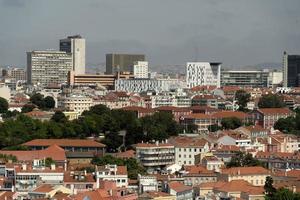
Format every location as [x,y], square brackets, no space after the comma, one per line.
[140,111]
[186,148]
[234,138]
[48,191]
[253,131]
[212,163]
[279,160]
[79,181]
[225,152]
[107,190]
[115,173]
[156,195]
[71,145]
[147,183]
[177,112]
[156,155]
[282,143]
[182,192]
[254,175]
[194,175]
[267,117]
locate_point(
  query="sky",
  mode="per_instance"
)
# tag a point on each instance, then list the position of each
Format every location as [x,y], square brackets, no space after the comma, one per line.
[169,32]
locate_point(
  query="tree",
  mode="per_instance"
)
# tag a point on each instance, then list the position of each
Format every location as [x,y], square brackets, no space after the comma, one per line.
[241,159]
[286,125]
[242,99]
[271,101]
[59,116]
[269,188]
[3,105]
[38,100]
[98,109]
[28,108]
[231,123]
[49,102]
[49,162]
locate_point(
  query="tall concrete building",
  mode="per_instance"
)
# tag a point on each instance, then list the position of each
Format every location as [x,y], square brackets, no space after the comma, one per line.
[140,69]
[203,73]
[122,62]
[291,70]
[75,45]
[48,67]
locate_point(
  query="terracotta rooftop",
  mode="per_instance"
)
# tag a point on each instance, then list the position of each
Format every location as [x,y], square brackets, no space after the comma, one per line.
[245,171]
[44,188]
[184,141]
[126,154]
[173,108]
[179,187]
[53,151]
[70,177]
[153,145]
[64,143]
[138,109]
[273,111]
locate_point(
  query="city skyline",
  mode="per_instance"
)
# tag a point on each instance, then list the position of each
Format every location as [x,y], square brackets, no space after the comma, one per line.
[200,30]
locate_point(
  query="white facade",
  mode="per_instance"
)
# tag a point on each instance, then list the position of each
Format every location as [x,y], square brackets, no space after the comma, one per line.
[186,155]
[76,46]
[144,85]
[5,92]
[275,78]
[112,173]
[48,67]
[140,69]
[147,183]
[203,73]
[77,103]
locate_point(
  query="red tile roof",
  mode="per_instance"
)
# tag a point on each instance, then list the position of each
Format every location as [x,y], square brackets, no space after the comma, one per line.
[53,151]
[184,141]
[64,143]
[153,145]
[44,188]
[274,111]
[179,187]
[245,171]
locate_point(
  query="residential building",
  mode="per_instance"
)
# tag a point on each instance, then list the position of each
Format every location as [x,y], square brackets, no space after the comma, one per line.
[75,102]
[18,74]
[275,78]
[279,160]
[76,46]
[144,85]
[182,192]
[242,78]
[48,67]
[48,191]
[177,112]
[72,145]
[156,155]
[203,73]
[140,69]
[267,117]
[147,183]
[122,62]
[117,174]
[154,195]
[213,163]
[253,175]
[253,131]
[291,70]
[282,143]
[205,100]
[79,181]
[196,174]
[186,148]
[234,138]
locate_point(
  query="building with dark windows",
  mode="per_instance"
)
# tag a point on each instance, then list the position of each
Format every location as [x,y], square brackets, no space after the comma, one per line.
[122,62]
[243,78]
[291,70]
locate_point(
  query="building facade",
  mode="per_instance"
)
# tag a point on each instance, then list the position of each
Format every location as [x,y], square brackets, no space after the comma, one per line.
[48,67]
[77,103]
[245,78]
[203,73]
[140,69]
[75,45]
[122,62]
[291,70]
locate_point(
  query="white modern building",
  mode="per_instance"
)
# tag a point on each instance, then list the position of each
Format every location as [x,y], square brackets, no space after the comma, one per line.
[203,73]
[115,173]
[48,67]
[140,69]
[144,85]
[76,46]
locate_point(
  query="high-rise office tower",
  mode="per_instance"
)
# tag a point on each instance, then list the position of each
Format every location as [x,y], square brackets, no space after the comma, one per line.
[75,45]
[291,70]
[48,67]
[203,73]
[121,62]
